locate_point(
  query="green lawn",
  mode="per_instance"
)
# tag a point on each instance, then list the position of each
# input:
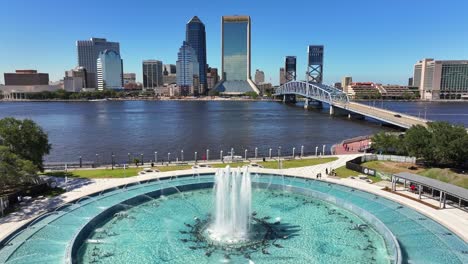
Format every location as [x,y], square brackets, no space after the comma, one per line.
[288,164]
[444,175]
[343,172]
[116,173]
[130,172]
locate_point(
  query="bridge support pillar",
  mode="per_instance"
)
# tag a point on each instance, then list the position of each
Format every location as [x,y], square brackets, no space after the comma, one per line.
[332,111]
[289,98]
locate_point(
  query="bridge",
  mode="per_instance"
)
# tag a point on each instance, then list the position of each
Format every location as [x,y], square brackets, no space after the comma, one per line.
[339,103]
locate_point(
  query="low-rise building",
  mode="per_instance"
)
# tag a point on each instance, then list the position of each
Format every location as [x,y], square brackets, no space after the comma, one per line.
[26,77]
[19,92]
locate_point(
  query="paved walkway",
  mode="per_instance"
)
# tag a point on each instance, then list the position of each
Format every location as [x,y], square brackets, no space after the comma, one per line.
[454,219]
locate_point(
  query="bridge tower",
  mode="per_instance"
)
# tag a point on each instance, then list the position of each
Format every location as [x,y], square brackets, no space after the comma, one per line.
[290,68]
[315,63]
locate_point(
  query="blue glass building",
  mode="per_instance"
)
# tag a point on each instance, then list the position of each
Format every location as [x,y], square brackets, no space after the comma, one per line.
[195,36]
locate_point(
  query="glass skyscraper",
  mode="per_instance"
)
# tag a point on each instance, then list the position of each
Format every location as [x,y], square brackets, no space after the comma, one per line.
[187,70]
[195,36]
[109,70]
[236,78]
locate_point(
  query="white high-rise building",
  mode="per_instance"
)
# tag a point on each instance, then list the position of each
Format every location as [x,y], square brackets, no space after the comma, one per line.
[444,79]
[109,70]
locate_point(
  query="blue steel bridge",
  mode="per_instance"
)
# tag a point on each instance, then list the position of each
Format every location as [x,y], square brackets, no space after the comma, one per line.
[340,104]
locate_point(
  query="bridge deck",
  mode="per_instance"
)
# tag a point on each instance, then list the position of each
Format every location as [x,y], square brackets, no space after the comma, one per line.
[384,115]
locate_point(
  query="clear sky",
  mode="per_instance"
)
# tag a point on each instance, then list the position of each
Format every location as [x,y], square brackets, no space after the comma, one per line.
[371,40]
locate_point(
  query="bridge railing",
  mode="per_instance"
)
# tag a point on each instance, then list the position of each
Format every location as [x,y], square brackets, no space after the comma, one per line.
[316,91]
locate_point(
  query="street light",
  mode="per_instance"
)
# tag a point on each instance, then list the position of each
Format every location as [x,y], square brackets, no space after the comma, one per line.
[270,153]
[279,152]
[316,150]
[245,154]
[207,154]
[81,162]
[182,155]
[256,152]
[168,157]
[302,151]
[113,160]
[155,157]
[294,150]
[195,157]
[232,154]
[323,150]
[142,159]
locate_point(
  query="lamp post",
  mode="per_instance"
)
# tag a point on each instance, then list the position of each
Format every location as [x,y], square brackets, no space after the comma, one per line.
[168,157]
[302,151]
[155,157]
[81,162]
[279,152]
[195,157]
[256,152]
[182,155]
[221,155]
[207,154]
[270,153]
[323,150]
[245,154]
[232,154]
[113,161]
[316,150]
[142,159]
[294,150]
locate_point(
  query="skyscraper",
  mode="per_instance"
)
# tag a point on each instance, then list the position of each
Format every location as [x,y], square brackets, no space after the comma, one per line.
[152,74]
[235,56]
[88,52]
[315,63]
[290,68]
[187,70]
[195,36]
[259,77]
[109,70]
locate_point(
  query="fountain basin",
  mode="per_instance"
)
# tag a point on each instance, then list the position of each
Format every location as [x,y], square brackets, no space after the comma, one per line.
[422,240]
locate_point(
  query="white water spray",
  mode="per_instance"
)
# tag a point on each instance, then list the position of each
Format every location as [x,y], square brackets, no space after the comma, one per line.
[233,195]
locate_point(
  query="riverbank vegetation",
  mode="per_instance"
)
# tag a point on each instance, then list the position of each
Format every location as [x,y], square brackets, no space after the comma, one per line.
[440,144]
[23,145]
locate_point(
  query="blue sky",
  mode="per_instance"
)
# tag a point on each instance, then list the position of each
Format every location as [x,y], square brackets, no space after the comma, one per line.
[371,40]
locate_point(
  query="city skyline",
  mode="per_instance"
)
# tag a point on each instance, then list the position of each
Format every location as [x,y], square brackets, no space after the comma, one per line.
[354,46]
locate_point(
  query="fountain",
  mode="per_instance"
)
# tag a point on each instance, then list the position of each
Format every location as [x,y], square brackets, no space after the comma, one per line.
[233,208]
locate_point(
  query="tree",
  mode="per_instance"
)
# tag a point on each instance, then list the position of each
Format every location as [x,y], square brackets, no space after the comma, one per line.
[14,170]
[417,142]
[388,143]
[25,139]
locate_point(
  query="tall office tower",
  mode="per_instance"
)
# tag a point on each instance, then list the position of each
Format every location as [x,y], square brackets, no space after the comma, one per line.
[259,77]
[441,79]
[347,80]
[235,56]
[195,36]
[109,70]
[282,77]
[187,71]
[88,52]
[315,63]
[290,68]
[26,77]
[152,74]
